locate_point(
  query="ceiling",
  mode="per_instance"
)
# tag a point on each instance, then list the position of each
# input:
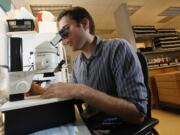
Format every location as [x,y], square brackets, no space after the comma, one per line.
[147,13]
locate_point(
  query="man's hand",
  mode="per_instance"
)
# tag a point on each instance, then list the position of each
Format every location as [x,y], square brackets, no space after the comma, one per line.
[62,90]
[35,90]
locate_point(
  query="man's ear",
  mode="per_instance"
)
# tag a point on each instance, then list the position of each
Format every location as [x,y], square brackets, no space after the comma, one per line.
[85,23]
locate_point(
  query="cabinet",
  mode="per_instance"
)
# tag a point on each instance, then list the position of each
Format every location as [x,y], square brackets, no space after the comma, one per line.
[153,84]
[168,85]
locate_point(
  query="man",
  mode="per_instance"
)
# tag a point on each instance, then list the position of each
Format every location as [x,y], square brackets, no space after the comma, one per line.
[106,75]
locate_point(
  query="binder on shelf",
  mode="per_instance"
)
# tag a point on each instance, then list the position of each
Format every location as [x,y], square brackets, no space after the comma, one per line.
[15,54]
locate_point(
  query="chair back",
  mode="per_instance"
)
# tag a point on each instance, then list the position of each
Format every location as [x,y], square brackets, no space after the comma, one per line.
[144,67]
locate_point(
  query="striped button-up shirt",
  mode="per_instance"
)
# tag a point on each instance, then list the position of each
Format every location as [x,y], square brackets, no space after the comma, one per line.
[113,68]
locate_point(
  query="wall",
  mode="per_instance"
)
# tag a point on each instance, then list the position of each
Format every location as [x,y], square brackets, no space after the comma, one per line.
[3,48]
[3,37]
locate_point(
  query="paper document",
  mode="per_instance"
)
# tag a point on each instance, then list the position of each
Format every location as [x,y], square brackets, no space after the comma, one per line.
[68,129]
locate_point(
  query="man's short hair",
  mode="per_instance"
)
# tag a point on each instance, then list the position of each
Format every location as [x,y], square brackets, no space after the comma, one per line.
[78,14]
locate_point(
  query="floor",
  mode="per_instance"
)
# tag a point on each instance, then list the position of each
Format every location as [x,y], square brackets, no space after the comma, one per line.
[169,121]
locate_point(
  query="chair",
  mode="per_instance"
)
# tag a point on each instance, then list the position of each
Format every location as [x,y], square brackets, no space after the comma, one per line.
[147,127]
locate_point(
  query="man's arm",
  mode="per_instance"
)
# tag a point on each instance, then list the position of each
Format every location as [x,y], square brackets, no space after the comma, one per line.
[112,105]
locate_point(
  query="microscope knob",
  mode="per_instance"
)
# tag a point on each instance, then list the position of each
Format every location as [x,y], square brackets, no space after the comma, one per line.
[44,63]
[22,86]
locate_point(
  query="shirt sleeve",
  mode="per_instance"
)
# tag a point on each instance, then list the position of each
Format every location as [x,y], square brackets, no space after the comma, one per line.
[128,75]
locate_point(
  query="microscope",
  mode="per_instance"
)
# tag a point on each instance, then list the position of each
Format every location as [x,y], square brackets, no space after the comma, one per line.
[47,62]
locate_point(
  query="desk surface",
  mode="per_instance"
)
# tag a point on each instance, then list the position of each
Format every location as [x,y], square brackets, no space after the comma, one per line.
[28,102]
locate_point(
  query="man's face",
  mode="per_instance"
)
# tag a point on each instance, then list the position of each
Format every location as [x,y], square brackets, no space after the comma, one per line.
[77,35]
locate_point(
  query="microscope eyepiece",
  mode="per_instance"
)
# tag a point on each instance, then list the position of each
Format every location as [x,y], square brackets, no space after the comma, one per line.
[64,32]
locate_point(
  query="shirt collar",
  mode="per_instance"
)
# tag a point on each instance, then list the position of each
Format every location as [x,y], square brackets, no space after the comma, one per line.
[96,51]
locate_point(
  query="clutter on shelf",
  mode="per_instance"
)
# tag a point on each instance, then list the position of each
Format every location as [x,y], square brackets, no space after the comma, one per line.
[144,30]
[171,41]
[21,25]
[20,20]
[161,46]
